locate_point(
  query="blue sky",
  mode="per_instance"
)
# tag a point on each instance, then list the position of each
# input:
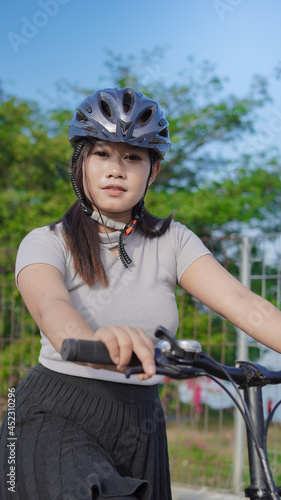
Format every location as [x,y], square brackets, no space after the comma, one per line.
[43,41]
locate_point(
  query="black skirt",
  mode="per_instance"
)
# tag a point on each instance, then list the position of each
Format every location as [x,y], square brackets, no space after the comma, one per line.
[75,436]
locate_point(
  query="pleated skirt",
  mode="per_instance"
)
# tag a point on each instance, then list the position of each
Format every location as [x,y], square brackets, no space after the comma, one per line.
[76,436]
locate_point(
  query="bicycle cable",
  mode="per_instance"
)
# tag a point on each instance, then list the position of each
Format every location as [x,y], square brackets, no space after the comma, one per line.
[248,420]
[246,415]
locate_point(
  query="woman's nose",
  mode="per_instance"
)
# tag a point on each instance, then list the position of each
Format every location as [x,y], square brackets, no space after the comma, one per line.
[115,167]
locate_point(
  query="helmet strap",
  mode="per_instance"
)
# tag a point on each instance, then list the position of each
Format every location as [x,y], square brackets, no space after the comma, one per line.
[73,181]
[105,221]
[153,159]
[126,229]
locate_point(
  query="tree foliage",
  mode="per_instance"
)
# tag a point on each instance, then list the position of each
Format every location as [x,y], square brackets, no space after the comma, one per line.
[209,185]
[34,157]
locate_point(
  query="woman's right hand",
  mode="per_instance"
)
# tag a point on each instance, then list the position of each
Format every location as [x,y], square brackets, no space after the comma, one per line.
[122,342]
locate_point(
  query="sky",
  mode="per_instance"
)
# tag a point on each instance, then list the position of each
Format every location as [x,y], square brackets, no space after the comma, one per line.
[45,41]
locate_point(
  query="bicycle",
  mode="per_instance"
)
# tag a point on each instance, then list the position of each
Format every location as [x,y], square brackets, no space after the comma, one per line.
[184,359]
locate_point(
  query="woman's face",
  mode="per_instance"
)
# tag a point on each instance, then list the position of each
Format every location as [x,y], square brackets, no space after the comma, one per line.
[115,177]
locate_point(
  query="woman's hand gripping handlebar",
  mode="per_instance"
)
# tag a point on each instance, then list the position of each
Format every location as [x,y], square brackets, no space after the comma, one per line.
[168,353]
[179,359]
[112,348]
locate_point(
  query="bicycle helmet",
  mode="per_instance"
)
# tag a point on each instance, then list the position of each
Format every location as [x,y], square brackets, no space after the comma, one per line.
[121,115]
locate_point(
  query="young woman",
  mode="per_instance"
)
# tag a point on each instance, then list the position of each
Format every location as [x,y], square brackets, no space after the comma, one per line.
[107,271]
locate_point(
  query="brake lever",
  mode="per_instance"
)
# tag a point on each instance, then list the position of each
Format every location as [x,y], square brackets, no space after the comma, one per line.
[163,334]
[165,366]
[161,362]
[171,355]
[183,350]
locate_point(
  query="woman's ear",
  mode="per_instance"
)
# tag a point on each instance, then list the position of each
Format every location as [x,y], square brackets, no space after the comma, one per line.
[155,171]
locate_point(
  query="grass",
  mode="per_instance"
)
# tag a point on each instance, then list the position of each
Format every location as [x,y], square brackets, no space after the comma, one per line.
[203,455]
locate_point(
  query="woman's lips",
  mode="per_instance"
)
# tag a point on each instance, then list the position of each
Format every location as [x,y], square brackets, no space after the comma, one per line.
[114,190]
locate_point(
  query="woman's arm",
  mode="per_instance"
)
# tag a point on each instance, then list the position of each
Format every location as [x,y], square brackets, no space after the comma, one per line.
[44,292]
[210,283]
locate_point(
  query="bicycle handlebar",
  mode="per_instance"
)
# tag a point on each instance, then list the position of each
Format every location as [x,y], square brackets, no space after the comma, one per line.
[177,359]
[89,351]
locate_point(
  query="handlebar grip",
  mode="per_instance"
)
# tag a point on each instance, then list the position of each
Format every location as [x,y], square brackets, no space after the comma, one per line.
[89,351]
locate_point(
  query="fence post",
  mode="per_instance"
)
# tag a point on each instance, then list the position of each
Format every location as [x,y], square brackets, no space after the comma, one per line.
[241,354]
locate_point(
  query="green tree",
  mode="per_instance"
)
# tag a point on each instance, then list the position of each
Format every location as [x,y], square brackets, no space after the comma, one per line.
[34,159]
[32,147]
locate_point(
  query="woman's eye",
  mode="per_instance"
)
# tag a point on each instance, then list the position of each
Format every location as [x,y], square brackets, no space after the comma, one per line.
[133,157]
[100,153]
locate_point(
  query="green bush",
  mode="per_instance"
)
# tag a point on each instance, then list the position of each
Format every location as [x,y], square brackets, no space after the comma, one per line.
[16,359]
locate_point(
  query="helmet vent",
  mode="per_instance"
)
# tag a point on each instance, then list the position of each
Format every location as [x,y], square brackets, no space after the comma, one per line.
[88,107]
[164,132]
[155,140]
[80,116]
[105,109]
[145,116]
[128,102]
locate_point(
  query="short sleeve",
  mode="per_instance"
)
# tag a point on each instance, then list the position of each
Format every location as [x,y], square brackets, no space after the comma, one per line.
[42,246]
[187,246]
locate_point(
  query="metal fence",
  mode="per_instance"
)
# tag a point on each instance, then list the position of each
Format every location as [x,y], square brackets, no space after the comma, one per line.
[206,437]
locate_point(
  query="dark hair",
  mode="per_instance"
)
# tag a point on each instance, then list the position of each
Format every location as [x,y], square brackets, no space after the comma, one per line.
[81,231]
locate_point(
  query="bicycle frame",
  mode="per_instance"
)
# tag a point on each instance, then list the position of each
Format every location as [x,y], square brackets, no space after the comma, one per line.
[258,482]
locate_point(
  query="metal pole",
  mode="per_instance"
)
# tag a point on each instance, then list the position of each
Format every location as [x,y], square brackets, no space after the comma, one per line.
[241,354]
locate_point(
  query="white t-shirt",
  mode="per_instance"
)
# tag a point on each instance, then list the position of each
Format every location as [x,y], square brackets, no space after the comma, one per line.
[141,295]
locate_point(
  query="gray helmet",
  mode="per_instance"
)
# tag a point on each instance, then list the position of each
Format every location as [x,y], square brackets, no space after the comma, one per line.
[121,115]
